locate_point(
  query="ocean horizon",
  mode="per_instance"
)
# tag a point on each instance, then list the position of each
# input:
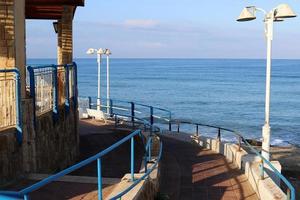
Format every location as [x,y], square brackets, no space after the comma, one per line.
[224,92]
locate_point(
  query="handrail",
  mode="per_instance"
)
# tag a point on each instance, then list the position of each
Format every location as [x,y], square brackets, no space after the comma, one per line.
[19,123]
[291,190]
[25,192]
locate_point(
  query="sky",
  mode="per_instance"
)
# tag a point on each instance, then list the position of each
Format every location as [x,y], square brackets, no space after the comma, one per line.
[170,29]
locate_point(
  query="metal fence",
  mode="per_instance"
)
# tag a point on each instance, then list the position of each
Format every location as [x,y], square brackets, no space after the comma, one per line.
[51,86]
[10,106]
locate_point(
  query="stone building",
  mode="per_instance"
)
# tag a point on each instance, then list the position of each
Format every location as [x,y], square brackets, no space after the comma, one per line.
[30,140]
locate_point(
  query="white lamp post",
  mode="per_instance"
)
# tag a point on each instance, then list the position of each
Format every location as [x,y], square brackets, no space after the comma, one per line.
[99,54]
[277,14]
[107,53]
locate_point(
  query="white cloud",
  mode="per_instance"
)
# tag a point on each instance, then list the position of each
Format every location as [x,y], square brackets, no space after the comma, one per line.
[141,23]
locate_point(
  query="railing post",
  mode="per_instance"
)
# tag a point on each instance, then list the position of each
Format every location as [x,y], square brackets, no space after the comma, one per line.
[132,113]
[99,178]
[132,159]
[55,95]
[90,102]
[75,89]
[32,92]
[178,127]
[219,134]
[111,108]
[261,169]
[26,197]
[149,148]
[170,122]
[240,141]
[288,194]
[197,129]
[116,121]
[67,87]
[151,120]
[151,115]
[18,108]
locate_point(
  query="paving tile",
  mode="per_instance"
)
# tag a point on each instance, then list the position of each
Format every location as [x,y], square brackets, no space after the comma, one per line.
[203,174]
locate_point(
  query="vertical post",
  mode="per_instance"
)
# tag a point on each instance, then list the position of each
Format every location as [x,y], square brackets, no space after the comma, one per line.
[132,159]
[107,83]
[75,91]
[99,83]
[266,132]
[99,178]
[261,169]
[219,134]
[178,127]
[149,148]
[116,121]
[90,102]
[67,86]
[170,122]
[111,107]
[197,129]
[132,113]
[18,108]
[26,197]
[55,90]
[151,120]
[32,92]
[288,194]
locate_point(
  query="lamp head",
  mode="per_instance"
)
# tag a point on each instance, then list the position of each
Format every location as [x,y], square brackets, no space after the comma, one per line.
[90,51]
[247,14]
[107,52]
[284,11]
[100,51]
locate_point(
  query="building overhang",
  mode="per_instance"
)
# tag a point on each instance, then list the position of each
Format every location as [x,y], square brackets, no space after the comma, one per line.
[48,9]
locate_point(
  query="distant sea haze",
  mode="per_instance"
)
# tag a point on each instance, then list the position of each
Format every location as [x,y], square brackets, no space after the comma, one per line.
[223,92]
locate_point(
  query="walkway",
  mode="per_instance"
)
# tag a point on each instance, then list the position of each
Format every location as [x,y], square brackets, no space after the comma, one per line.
[190,172]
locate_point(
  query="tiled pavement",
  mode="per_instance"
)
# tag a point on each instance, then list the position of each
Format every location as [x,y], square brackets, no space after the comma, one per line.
[189,172]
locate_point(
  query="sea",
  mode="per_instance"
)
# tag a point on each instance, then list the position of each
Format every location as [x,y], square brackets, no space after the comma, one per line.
[223,92]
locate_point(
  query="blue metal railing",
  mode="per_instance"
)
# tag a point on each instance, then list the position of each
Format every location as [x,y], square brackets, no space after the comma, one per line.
[18,124]
[131,107]
[24,194]
[291,193]
[52,72]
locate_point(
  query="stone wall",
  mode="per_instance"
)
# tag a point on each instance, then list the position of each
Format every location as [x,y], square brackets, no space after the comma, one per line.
[51,146]
[56,141]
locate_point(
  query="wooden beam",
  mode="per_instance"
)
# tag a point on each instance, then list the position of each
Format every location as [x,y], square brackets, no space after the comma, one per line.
[55,2]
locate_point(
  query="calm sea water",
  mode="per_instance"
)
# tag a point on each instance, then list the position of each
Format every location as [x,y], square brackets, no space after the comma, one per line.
[225,92]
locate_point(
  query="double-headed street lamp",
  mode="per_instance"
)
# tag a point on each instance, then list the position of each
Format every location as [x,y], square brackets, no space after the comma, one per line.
[99,53]
[275,15]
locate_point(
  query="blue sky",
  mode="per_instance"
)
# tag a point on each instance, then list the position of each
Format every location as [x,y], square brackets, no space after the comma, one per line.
[169,29]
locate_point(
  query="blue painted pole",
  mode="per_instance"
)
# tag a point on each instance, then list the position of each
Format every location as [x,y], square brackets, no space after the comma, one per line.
[99,179]
[132,113]
[32,92]
[26,197]
[132,159]
[75,89]
[67,86]
[149,148]
[55,90]
[111,107]
[18,108]
[170,123]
